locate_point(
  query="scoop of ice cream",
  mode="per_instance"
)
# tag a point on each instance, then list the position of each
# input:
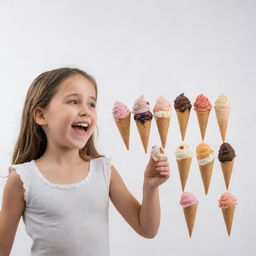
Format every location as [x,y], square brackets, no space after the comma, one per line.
[162,108]
[227,200]
[183,151]
[182,103]
[202,103]
[157,152]
[204,154]
[141,106]
[226,153]
[203,150]
[222,103]
[120,110]
[188,199]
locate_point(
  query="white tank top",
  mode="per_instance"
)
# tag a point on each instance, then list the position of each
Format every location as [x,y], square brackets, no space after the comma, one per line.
[67,220]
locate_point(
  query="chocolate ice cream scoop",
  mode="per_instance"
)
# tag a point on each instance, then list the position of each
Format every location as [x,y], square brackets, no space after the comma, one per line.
[182,103]
[143,116]
[226,153]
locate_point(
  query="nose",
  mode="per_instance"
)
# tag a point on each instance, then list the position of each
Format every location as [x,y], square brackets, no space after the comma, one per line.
[84,111]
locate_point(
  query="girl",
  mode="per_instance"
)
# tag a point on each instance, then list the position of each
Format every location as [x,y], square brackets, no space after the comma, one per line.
[60,184]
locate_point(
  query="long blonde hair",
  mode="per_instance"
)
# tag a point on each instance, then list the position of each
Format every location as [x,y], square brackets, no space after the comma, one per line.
[32,140]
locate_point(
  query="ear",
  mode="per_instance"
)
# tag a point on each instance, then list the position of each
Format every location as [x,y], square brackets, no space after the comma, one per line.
[39,116]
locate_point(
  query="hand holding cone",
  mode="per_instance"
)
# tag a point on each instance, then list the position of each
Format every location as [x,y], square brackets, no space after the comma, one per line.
[222,109]
[202,106]
[122,117]
[205,157]
[183,157]
[227,203]
[162,114]
[226,157]
[182,106]
[143,118]
[189,203]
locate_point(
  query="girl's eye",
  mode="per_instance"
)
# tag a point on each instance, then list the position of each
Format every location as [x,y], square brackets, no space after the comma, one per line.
[72,101]
[92,105]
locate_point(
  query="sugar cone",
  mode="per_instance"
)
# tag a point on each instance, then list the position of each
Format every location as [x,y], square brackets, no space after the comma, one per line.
[222,122]
[163,126]
[183,166]
[206,174]
[190,215]
[183,121]
[144,131]
[227,168]
[228,214]
[202,117]
[124,129]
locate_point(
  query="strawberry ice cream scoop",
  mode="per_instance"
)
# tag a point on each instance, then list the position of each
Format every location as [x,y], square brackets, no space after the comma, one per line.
[120,111]
[188,199]
[227,200]
[202,103]
[157,152]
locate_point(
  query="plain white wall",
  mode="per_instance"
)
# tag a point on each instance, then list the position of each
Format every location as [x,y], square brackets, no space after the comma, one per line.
[152,48]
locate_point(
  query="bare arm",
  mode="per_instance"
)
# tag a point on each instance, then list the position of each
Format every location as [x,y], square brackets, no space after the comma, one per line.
[12,208]
[145,218]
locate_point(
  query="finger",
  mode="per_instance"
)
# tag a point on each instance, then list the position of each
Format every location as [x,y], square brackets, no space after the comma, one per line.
[163,158]
[161,164]
[162,169]
[167,174]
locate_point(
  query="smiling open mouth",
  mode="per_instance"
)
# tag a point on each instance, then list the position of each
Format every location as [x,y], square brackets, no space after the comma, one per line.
[83,127]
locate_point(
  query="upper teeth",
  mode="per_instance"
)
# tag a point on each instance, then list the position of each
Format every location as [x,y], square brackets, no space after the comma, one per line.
[84,125]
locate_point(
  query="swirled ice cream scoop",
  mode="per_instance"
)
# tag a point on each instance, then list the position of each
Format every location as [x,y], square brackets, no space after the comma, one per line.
[183,151]
[222,103]
[120,110]
[182,103]
[227,200]
[188,199]
[204,154]
[157,152]
[202,103]
[226,153]
[162,108]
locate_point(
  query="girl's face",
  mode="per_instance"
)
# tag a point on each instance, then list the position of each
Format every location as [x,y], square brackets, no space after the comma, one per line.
[74,102]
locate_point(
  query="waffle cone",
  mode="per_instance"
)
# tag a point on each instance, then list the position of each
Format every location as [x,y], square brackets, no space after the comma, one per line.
[202,117]
[183,121]
[190,215]
[206,174]
[144,131]
[227,168]
[163,126]
[123,126]
[228,214]
[183,166]
[223,124]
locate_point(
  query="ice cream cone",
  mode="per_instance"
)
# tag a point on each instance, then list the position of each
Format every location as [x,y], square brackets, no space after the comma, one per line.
[183,121]
[228,214]
[222,119]
[227,168]
[183,166]
[144,131]
[190,215]
[124,129]
[202,117]
[163,126]
[206,174]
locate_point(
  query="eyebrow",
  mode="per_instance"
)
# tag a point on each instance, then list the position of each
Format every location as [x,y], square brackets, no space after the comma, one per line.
[77,94]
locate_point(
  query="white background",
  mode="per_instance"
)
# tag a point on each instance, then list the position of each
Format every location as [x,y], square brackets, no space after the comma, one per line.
[152,48]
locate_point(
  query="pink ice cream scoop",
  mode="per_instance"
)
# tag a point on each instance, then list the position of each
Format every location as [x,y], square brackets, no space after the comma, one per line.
[120,111]
[141,106]
[188,199]
[202,103]
[162,105]
[227,200]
